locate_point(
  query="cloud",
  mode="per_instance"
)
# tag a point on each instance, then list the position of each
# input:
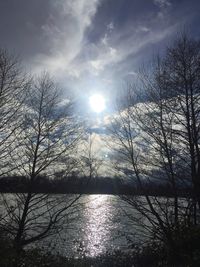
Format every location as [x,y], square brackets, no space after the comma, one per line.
[64,34]
[69,53]
[121,45]
[162,3]
[84,62]
[164,7]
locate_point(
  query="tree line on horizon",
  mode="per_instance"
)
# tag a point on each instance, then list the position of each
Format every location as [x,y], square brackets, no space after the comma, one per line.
[81,185]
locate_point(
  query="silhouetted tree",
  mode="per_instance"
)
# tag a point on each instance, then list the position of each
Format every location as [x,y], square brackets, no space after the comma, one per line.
[181,76]
[14,84]
[157,140]
[91,159]
[49,135]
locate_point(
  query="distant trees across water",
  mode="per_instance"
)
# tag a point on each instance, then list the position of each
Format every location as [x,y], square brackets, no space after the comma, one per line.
[83,185]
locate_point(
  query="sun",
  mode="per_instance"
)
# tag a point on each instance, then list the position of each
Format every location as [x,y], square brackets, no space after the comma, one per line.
[97,103]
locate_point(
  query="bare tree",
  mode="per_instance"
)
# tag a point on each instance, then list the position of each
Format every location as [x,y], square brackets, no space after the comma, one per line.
[14,84]
[182,73]
[157,140]
[139,158]
[49,136]
[91,159]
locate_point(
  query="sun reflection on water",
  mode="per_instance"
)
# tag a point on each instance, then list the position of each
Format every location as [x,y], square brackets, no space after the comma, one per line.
[97,229]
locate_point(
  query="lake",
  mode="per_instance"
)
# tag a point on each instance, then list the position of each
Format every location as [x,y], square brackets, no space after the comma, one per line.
[100,225]
[96,224]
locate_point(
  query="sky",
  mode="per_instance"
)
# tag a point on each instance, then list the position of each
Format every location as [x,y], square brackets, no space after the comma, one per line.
[93,45]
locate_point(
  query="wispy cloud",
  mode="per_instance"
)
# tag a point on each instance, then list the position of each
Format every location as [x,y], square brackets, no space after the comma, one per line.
[64,33]
[162,3]
[83,62]
[70,52]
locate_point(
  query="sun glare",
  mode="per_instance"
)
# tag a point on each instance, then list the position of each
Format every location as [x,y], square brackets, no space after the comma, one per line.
[97,103]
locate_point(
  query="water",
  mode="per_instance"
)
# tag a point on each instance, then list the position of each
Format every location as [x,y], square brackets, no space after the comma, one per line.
[105,223]
[96,224]
[100,225]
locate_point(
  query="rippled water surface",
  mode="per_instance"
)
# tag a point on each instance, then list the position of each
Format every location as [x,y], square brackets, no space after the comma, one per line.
[95,225]
[100,225]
